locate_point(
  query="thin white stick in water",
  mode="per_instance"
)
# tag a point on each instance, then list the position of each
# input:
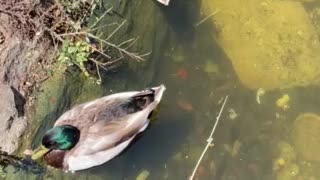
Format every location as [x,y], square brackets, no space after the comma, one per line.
[209,140]
[206,18]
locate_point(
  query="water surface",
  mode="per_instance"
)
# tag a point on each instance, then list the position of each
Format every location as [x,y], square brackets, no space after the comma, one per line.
[198,75]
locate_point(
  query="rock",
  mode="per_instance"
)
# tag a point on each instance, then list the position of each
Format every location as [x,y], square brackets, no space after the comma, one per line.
[306,0]
[271,44]
[283,102]
[315,19]
[11,125]
[211,67]
[306,136]
[288,173]
[286,151]
[143,175]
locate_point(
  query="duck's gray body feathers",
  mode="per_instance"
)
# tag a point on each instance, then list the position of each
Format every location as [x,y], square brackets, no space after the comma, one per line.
[107,126]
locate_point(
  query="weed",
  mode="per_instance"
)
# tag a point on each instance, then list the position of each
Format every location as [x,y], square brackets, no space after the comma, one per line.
[75,53]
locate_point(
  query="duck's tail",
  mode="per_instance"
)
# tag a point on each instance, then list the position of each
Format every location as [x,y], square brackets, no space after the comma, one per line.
[164,2]
[145,100]
[158,92]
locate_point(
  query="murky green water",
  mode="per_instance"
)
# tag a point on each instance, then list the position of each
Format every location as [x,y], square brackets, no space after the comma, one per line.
[249,140]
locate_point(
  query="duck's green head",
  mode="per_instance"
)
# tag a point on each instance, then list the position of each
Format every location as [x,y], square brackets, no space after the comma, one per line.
[63,137]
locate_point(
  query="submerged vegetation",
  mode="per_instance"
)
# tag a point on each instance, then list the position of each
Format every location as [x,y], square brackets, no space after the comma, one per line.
[275,45]
[75,54]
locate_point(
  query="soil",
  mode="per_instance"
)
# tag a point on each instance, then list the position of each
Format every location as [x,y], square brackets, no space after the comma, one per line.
[26,52]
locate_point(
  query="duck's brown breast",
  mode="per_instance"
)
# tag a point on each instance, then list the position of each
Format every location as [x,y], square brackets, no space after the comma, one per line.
[55,158]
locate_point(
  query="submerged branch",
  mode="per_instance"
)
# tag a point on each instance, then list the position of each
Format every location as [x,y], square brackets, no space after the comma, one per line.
[100,18]
[103,26]
[209,140]
[116,30]
[206,18]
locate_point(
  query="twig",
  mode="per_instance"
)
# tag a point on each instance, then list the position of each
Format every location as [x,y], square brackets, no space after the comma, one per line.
[116,30]
[102,26]
[99,19]
[10,13]
[98,71]
[127,41]
[209,140]
[206,18]
[131,43]
[48,11]
[54,34]
[135,56]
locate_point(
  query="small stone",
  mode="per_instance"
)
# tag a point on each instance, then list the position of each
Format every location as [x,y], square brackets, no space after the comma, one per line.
[232,114]
[143,175]
[283,102]
[306,136]
[211,67]
[27,152]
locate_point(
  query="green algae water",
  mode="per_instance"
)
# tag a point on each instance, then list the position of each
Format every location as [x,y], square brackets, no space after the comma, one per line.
[264,59]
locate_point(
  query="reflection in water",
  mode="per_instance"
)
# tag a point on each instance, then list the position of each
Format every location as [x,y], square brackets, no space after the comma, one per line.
[198,74]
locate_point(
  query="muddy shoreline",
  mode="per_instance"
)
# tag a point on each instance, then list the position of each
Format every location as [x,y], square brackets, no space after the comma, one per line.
[31,32]
[26,53]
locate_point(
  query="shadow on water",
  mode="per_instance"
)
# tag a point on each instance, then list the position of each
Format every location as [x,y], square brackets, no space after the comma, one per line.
[71,90]
[182,16]
[150,150]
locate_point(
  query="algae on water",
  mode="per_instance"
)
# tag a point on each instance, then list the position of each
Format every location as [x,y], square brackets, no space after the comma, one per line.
[271,43]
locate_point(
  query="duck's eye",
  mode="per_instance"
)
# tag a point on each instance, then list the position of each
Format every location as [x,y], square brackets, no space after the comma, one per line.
[48,142]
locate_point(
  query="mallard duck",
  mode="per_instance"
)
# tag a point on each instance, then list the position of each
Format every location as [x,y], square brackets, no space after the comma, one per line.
[94,132]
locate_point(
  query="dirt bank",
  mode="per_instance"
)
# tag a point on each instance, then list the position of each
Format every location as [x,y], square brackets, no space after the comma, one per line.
[25,53]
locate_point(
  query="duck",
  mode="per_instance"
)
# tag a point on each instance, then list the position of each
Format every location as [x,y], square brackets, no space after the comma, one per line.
[94,132]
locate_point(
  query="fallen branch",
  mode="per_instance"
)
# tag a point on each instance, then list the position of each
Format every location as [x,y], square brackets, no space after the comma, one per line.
[136,56]
[94,40]
[209,140]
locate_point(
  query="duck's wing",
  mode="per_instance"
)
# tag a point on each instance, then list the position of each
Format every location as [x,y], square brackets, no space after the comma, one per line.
[105,109]
[111,107]
[85,114]
[103,135]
